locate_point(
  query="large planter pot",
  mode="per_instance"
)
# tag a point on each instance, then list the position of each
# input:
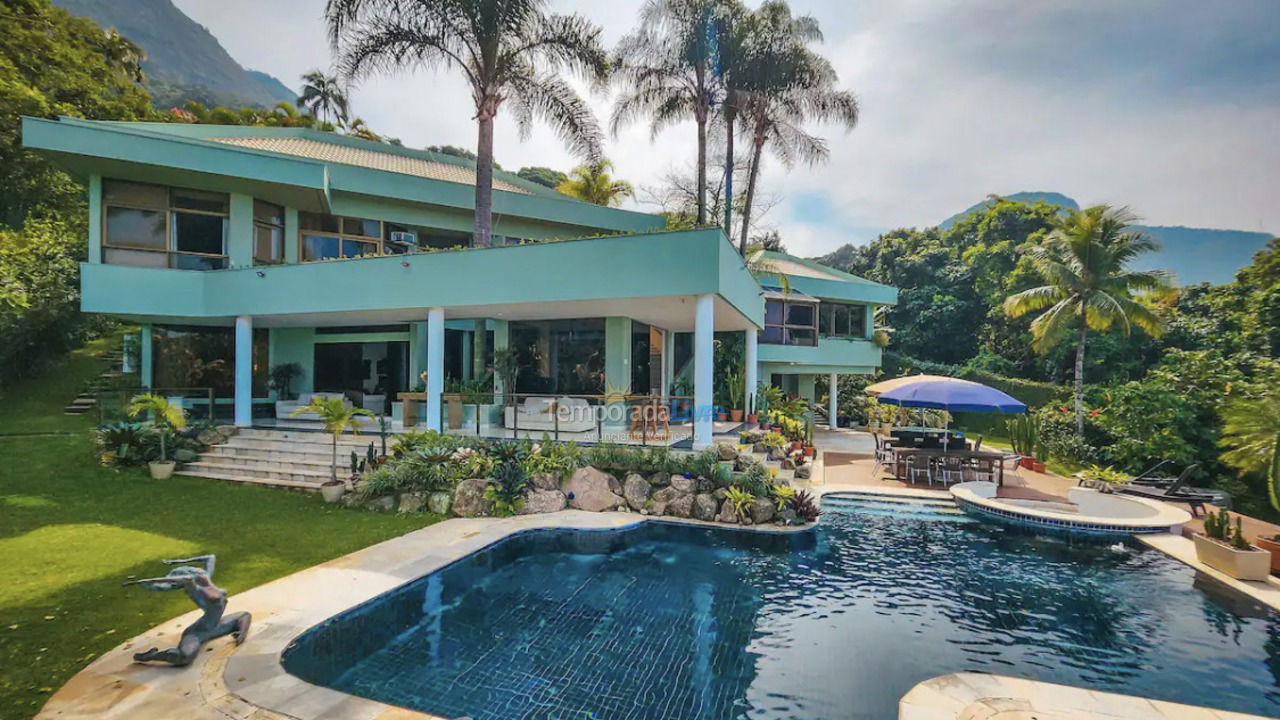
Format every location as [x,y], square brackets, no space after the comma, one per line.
[162,470]
[332,493]
[1272,546]
[809,450]
[454,412]
[736,415]
[751,419]
[1253,564]
[1038,466]
[1027,463]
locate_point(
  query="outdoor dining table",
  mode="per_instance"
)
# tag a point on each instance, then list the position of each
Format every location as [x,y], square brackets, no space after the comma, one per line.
[900,456]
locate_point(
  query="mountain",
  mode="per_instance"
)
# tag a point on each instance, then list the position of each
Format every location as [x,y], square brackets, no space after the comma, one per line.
[184,60]
[1030,198]
[1193,255]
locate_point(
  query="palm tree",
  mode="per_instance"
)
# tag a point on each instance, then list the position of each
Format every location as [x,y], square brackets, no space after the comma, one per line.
[666,69]
[791,88]
[324,96]
[1251,432]
[1084,263]
[337,417]
[508,51]
[165,416]
[592,183]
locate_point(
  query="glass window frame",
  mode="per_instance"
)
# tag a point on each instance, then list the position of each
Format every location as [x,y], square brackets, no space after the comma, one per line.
[787,333]
[173,256]
[270,225]
[341,237]
[834,329]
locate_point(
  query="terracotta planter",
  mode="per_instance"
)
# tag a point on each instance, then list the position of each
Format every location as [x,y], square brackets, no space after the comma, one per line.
[809,450]
[736,415]
[1253,564]
[1272,546]
[162,470]
[1038,466]
[721,417]
[333,493]
[751,419]
[1027,463]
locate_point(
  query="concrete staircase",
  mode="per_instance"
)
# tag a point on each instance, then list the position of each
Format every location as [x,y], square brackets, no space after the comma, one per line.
[297,459]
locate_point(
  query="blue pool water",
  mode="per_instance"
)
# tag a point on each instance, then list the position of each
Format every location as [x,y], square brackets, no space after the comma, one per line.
[672,622]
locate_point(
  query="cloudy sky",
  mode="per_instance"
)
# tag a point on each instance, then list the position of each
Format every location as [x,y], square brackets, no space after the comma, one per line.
[1171,107]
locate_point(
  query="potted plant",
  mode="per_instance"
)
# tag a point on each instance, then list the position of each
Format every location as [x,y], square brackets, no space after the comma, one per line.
[1251,437]
[282,377]
[337,417]
[736,387]
[1223,547]
[1103,479]
[1271,545]
[165,418]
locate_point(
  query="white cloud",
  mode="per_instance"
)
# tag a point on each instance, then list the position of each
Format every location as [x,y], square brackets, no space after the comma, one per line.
[959,100]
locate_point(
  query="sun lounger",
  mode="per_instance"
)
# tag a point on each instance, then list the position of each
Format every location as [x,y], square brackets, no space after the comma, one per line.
[1174,493]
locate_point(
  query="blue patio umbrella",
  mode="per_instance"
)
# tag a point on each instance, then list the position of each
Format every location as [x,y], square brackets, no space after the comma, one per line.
[953,395]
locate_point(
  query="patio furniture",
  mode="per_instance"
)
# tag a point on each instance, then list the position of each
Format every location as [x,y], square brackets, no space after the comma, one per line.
[285,408]
[936,455]
[1174,493]
[982,468]
[951,468]
[565,414]
[919,465]
[884,453]
[411,402]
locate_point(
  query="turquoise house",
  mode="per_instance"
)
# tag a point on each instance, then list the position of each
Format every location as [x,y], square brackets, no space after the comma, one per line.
[240,249]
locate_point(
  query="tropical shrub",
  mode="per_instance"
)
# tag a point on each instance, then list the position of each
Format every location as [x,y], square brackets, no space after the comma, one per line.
[411,442]
[120,443]
[166,418]
[506,492]
[755,480]
[741,500]
[1105,479]
[805,506]
[784,495]
[547,458]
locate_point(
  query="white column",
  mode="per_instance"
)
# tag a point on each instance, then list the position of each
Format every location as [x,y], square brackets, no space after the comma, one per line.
[435,366]
[244,371]
[833,391]
[704,321]
[751,373]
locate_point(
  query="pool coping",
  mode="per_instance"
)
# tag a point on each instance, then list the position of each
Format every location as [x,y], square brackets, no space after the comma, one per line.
[1166,518]
[249,682]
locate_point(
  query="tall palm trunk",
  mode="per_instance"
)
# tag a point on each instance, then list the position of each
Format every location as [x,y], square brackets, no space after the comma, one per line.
[702,169]
[1079,389]
[730,114]
[757,152]
[484,178]
[333,461]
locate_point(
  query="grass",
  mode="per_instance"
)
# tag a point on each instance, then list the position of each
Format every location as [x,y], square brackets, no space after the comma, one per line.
[71,531]
[35,405]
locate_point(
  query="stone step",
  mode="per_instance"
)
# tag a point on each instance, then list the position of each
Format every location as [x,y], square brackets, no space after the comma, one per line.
[306,462]
[322,444]
[292,455]
[297,475]
[306,435]
[270,482]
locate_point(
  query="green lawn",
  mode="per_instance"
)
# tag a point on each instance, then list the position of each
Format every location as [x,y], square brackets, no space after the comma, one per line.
[71,531]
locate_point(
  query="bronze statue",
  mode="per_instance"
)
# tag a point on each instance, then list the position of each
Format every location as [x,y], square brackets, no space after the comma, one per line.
[198,582]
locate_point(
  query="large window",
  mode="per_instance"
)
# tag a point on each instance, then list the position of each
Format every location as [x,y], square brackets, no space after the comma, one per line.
[842,320]
[330,236]
[790,322]
[560,356]
[200,357]
[154,226]
[268,233]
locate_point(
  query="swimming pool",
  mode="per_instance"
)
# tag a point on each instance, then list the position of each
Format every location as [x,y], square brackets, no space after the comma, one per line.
[665,621]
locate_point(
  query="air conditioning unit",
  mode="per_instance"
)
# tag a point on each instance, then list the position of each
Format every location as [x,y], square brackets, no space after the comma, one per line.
[404,238]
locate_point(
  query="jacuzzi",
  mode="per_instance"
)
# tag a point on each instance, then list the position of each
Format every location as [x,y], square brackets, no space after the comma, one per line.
[1085,511]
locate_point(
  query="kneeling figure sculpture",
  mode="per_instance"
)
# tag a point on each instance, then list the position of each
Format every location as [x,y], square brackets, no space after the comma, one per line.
[198,583]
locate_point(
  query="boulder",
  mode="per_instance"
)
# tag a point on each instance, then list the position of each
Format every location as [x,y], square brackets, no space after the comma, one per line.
[546,481]
[720,493]
[227,431]
[684,484]
[412,502]
[762,510]
[382,504]
[727,514]
[788,464]
[681,507]
[543,501]
[705,506]
[760,448]
[660,479]
[804,472]
[661,497]
[210,436]
[726,451]
[787,517]
[636,490]
[469,499]
[775,454]
[184,455]
[592,490]
[439,502]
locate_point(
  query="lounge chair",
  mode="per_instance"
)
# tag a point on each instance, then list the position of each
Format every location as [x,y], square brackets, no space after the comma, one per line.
[1174,493]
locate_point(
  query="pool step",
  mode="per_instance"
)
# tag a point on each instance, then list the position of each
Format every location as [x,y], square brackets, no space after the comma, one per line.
[899,506]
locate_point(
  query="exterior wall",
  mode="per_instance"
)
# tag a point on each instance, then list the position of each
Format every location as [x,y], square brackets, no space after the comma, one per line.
[295,345]
[838,355]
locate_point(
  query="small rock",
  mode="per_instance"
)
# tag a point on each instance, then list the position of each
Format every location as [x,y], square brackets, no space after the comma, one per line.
[804,472]
[788,464]
[543,501]
[762,510]
[228,431]
[684,484]
[788,516]
[636,490]
[412,502]
[209,437]
[705,506]
[660,479]
[382,504]
[727,514]
[469,499]
[681,506]
[726,451]
[720,493]
[760,448]
[546,481]
[439,502]
[184,455]
[592,490]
